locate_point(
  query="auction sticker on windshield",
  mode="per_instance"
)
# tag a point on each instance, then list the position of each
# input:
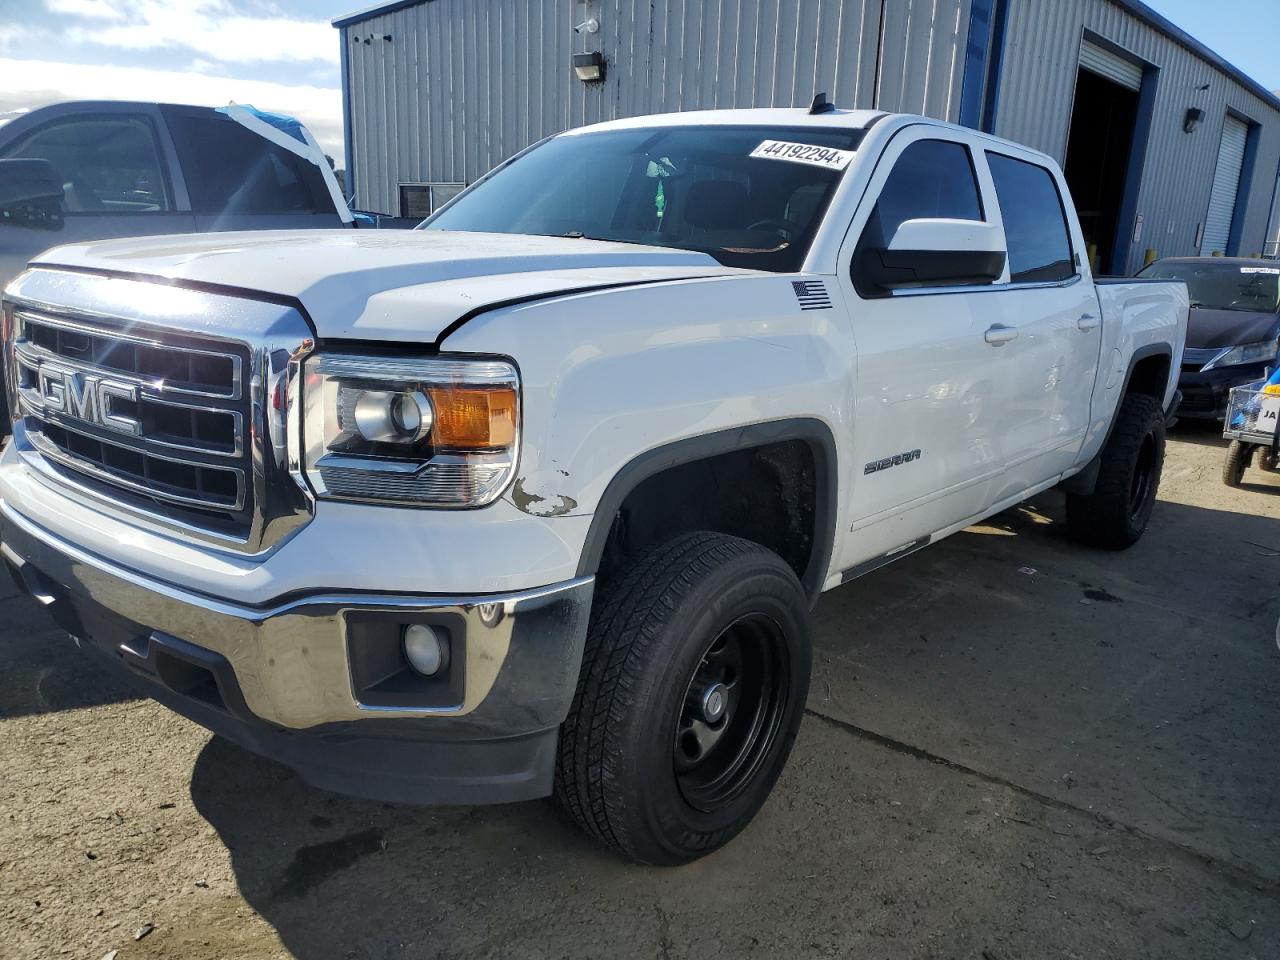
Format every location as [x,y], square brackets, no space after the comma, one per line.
[828,157]
[1271,270]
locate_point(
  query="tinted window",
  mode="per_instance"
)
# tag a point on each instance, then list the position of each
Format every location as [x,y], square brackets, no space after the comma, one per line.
[229,169]
[106,164]
[1035,227]
[932,178]
[694,188]
[1224,285]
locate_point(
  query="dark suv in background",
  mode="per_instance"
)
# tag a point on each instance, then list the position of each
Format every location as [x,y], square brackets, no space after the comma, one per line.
[1232,330]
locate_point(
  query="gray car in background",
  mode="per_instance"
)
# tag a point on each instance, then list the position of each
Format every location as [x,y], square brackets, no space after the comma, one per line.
[97,170]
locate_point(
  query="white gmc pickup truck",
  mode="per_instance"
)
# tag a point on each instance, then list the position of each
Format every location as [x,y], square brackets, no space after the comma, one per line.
[537,498]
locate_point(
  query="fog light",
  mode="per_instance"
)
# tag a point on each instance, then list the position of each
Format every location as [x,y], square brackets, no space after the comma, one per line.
[426,648]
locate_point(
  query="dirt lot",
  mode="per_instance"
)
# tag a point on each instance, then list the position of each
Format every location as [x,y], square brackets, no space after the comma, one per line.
[1016,748]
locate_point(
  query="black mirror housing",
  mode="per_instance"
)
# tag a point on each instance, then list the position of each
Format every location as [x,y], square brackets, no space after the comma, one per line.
[890,269]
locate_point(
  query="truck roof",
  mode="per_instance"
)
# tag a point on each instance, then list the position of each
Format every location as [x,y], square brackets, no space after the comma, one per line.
[799,117]
[762,116]
[64,105]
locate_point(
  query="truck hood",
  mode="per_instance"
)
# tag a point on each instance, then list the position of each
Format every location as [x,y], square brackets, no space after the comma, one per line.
[1227,328]
[387,285]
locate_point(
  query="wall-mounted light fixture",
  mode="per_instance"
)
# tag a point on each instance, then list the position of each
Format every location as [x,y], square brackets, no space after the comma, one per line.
[589,66]
[1192,119]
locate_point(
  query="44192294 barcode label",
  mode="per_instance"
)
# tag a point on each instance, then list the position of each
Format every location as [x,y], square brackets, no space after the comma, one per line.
[828,157]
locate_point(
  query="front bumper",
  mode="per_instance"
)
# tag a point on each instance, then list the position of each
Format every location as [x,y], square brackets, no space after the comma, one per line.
[300,680]
[1204,395]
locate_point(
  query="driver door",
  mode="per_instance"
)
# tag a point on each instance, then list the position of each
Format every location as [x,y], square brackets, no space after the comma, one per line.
[934,363]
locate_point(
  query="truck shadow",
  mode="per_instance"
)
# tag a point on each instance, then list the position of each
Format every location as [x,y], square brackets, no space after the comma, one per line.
[342,877]
[44,672]
[1204,433]
[1095,679]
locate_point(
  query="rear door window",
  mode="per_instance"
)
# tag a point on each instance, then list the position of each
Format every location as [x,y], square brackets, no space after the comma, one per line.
[1035,224]
[107,164]
[231,170]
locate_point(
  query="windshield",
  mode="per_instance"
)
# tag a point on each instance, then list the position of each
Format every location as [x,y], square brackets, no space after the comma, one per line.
[1224,286]
[748,196]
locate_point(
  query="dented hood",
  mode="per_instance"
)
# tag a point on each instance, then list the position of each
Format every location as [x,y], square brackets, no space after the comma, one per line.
[387,285]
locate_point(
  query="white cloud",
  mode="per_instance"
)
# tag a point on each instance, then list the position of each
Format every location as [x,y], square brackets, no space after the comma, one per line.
[91,9]
[214,29]
[35,83]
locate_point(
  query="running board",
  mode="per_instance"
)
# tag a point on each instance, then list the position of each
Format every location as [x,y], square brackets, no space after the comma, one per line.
[897,553]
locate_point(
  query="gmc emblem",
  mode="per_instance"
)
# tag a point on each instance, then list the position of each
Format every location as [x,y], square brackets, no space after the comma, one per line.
[90,398]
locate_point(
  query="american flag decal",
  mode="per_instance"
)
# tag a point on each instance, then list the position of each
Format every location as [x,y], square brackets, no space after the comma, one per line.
[812,294]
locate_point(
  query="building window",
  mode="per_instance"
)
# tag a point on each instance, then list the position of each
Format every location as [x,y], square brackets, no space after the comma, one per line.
[419,200]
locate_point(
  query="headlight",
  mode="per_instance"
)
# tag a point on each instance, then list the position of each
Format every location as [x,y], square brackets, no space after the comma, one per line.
[428,432]
[1259,352]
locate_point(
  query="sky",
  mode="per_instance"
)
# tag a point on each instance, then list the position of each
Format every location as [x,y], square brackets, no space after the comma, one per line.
[282,55]
[279,55]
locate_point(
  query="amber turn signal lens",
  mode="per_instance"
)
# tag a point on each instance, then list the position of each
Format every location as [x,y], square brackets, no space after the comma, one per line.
[471,418]
[1271,389]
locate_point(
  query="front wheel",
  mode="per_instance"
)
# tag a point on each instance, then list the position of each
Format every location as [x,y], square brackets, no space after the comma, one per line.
[1116,514]
[1233,467]
[691,692]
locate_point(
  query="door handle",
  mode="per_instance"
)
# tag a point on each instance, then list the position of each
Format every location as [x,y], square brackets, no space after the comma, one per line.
[998,334]
[1087,321]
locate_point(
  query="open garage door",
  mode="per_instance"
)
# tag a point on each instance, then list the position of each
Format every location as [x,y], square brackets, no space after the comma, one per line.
[1226,187]
[1114,67]
[1099,149]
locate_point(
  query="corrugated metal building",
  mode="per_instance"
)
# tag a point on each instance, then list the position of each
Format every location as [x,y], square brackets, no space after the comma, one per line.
[1166,146]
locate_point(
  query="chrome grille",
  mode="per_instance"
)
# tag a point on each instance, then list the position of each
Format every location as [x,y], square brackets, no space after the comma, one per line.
[152,421]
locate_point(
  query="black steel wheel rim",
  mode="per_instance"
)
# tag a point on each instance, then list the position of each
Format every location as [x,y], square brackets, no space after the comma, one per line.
[1143,470]
[731,712]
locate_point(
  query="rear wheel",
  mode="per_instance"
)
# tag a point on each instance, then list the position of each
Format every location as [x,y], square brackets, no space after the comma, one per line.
[692,689]
[1116,514]
[1234,466]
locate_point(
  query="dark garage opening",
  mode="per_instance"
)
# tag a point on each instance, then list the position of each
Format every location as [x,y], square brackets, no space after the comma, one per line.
[1102,123]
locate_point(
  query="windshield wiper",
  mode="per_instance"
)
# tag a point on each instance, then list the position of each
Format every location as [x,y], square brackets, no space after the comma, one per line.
[579,235]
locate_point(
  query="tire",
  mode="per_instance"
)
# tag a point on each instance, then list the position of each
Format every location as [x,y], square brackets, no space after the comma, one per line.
[1116,514]
[1267,460]
[641,766]
[1233,467]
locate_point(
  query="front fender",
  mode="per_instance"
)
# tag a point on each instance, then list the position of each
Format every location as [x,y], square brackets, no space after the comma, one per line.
[615,381]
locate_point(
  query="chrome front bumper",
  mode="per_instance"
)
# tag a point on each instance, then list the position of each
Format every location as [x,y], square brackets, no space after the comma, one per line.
[292,661]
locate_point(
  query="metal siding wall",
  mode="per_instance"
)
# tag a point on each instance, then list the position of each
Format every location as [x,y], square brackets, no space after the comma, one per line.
[922,60]
[1038,85]
[463,84]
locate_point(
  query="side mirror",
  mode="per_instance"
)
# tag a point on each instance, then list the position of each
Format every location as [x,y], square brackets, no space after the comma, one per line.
[30,194]
[936,252]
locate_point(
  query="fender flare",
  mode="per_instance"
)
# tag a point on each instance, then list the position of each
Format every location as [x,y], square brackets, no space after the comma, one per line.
[1086,479]
[815,433]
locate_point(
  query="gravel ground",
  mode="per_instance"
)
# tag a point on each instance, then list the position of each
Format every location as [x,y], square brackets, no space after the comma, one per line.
[1015,748]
